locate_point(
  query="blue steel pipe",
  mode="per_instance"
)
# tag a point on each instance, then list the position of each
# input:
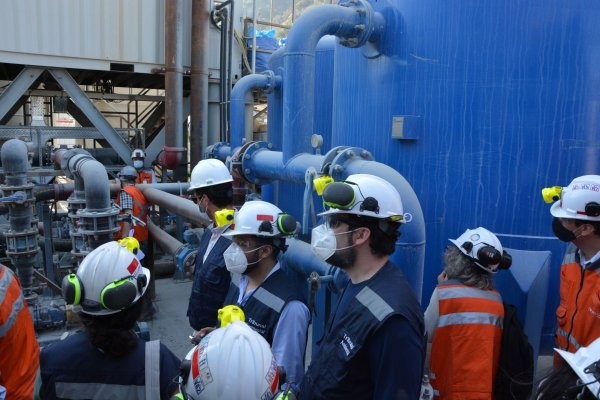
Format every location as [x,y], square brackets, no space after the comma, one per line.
[267,165]
[410,248]
[266,81]
[355,23]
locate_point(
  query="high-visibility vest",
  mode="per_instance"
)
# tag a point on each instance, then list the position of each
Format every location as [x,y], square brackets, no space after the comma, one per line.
[578,313]
[466,343]
[140,211]
[144,176]
[19,350]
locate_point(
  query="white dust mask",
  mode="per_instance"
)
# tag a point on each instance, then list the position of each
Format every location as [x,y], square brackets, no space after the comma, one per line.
[323,241]
[235,259]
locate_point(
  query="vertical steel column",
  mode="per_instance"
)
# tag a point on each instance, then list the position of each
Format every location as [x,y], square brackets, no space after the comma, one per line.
[199,81]
[174,73]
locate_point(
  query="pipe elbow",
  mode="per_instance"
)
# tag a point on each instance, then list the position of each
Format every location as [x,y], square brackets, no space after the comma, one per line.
[352,20]
[95,179]
[14,156]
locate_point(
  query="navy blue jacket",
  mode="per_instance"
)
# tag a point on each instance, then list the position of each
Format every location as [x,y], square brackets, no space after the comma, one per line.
[211,282]
[264,307]
[73,366]
[342,367]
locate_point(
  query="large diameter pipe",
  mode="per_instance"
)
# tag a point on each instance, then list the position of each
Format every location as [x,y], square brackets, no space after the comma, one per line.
[299,75]
[199,81]
[168,243]
[95,179]
[410,248]
[174,73]
[265,81]
[266,165]
[175,204]
[21,239]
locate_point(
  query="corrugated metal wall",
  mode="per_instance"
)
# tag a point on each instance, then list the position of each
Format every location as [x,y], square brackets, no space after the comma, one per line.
[91,34]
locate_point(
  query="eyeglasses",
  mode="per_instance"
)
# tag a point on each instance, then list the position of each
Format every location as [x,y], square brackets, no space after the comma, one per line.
[245,244]
[335,221]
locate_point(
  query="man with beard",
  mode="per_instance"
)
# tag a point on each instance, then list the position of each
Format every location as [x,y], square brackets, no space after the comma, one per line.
[373,346]
[271,302]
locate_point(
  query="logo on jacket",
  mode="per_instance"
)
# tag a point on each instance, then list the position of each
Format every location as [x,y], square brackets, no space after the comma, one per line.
[347,344]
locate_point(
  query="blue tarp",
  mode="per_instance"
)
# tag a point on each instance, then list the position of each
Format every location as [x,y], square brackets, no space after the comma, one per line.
[265,40]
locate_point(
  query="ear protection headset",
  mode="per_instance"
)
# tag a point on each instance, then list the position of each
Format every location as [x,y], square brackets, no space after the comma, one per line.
[117,295]
[285,223]
[488,255]
[341,195]
[592,209]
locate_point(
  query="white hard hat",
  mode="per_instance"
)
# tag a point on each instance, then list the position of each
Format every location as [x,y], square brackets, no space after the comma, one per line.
[363,194]
[579,200]
[585,362]
[138,153]
[233,362]
[483,247]
[259,218]
[209,172]
[108,280]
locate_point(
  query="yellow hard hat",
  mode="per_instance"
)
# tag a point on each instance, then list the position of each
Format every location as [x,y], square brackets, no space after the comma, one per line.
[229,314]
[130,243]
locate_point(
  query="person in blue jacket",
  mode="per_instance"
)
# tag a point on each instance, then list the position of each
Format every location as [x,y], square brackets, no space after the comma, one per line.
[211,184]
[107,360]
[272,303]
[373,346]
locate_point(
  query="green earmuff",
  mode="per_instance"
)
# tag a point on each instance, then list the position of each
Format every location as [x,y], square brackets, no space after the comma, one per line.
[72,289]
[119,294]
[339,195]
[286,224]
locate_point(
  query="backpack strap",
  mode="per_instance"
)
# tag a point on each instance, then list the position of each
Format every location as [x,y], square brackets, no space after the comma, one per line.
[152,370]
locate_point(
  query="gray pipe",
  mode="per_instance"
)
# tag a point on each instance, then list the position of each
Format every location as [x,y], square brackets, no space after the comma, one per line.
[175,204]
[95,181]
[21,239]
[168,243]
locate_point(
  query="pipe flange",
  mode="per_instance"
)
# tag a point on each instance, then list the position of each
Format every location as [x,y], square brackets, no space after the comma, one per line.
[212,151]
[337,166]
[362,30]
[246,161]
[66,158]
[329,157]
[272,83]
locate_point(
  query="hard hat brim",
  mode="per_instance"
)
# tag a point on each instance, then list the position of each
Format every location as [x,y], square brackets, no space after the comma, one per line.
[192,188]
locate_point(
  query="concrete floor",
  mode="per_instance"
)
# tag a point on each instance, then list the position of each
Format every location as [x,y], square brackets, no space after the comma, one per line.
[170,324]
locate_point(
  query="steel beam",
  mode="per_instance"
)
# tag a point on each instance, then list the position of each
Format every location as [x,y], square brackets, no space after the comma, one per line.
[79,97]
[17,88]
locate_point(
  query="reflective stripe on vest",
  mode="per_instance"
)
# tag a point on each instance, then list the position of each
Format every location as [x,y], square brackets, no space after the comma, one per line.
[269,299]
[73,390]
[152,370]
[374,303]
[5,282]
[561,332]
[462,292]
[470,318]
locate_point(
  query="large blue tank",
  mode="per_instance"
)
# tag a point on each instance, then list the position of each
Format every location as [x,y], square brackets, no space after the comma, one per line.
[493,100]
